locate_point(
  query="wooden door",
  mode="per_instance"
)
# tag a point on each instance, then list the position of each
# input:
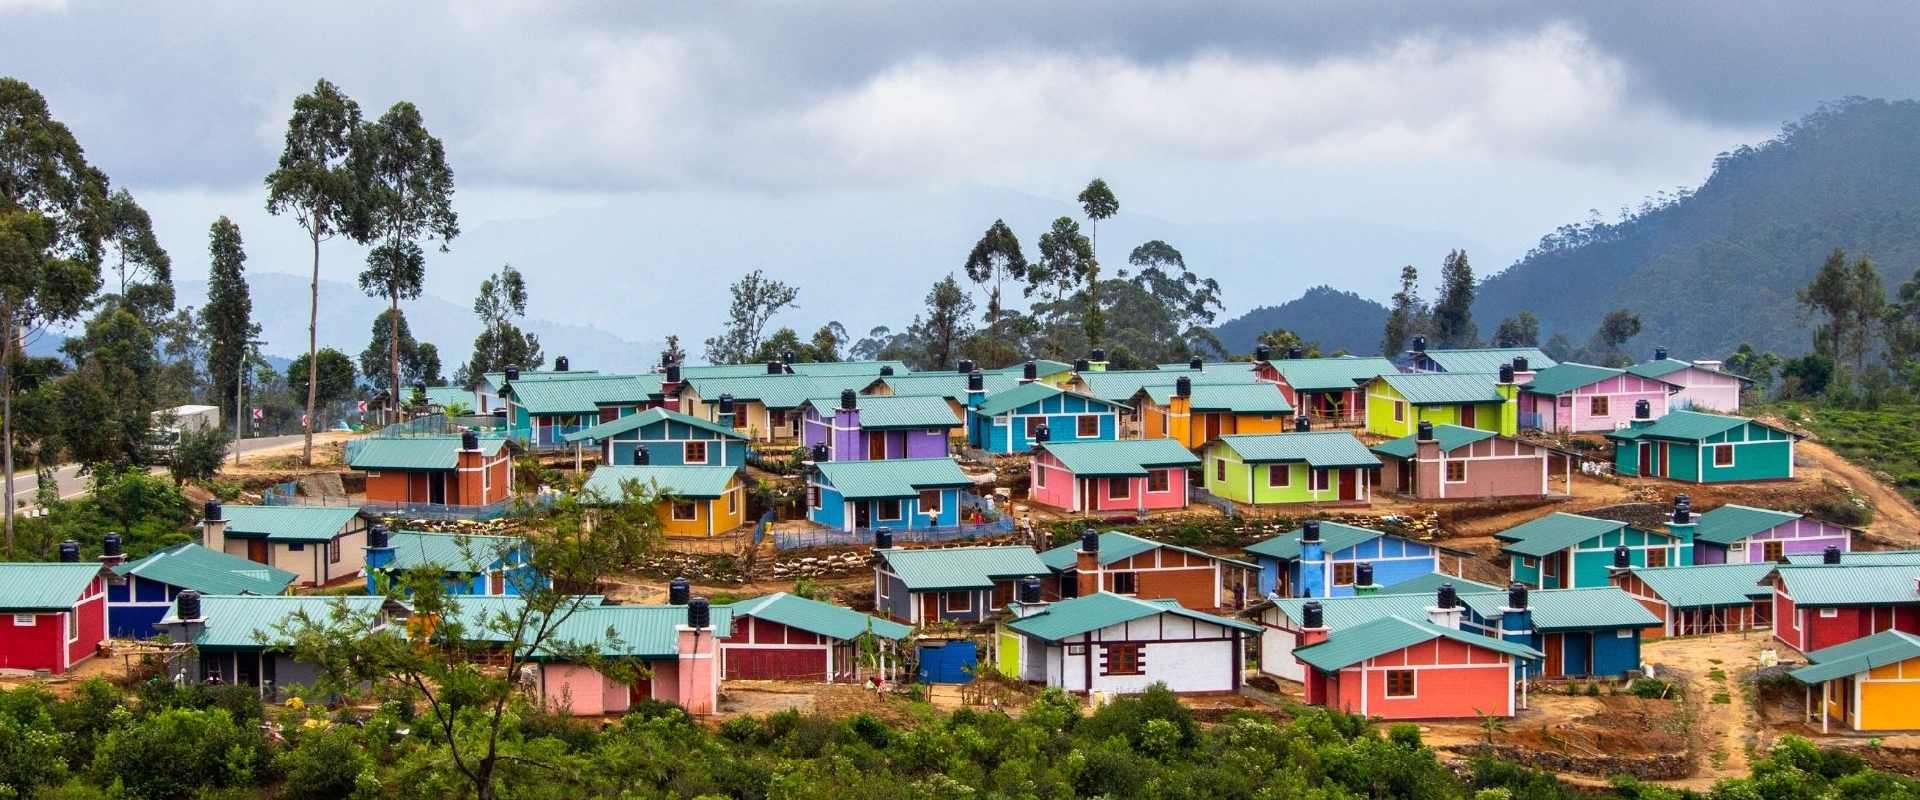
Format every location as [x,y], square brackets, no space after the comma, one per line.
[1666,461]
[437,488]
[641,689]
[1213,427]
[929,606]
[876,446]
[1349,484]
[497,583]
[257,551]
[1551,644]
[1466,416]
[1408,476]
[1646,459]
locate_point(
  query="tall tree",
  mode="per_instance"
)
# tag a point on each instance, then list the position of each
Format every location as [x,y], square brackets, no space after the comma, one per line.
[1519,330]
[419,361]
[144,270]
[673,353]
[228,315]
[995,259]
[501,343]
[1854,302]
[1609,340]
[52,222]
[336,378]
[107,402]
[1100,204]
[1066,264]
[756,299]
[946,323]
[407,189]
[1453,312]
[826,342]
[1408,315]
[1282,340]
[1189,302]
[316,185]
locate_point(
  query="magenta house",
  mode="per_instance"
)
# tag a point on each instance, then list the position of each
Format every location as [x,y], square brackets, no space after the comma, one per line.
[876,427]
[1734,534]
[1698,385]
[1582,398]
[1129,476]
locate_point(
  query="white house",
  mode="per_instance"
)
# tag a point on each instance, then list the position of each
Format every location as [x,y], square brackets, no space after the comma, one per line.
[1115,644]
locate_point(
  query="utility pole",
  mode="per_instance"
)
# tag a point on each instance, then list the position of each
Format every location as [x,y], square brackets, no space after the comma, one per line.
[239,396]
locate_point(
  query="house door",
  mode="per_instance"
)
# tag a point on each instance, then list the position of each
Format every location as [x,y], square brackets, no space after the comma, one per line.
[1555,665]
[497,583]
[257,551]
[641,689]
[246,669]
[876,446]
[1213,427]
[437,488]
[1349,484]
[1467,417]
[1409,478]
[929,606]
[1646,459]
[1666,461]
[861,515]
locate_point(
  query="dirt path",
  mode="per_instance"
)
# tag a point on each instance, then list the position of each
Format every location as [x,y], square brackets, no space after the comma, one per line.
[1724,733]
[1894,518]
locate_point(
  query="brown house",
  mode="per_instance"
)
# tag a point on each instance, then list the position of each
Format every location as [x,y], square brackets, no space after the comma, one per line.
[460,471]
[1129,565]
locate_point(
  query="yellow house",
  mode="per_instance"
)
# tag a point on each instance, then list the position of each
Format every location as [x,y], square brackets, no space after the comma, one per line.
[1197,415]
[1397,403]
[696,501]
[1868,684]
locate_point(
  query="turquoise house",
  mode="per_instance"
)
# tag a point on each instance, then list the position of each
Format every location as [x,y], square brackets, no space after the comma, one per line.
[542,412]
[1570,551]
[899,493]
[1703,448]
[1011,421]
[670,438]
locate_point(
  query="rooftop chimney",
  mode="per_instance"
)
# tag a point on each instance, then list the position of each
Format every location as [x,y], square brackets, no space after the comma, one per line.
[560,364]
[1313,556]
[1026,598]
[1682,510]
[189,606]
[775,368]
[699,614]
[1445,611]
[1313,624]
[1082,365]
[213,533]
[1097,355]
[111,551]
[1030,372]
[1310,531]
[886,371]
[1295,353]
[1516,595]
[469,440]
[1196,363]
[1088,577]
[378,535]
[849,399]
[1183,386]
[679,591]
[1363,579]
[1090,541]
[1520,364]
[976,381]
[1506,373]
[673,373]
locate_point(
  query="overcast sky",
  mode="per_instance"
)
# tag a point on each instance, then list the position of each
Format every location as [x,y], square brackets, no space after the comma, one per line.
[633,158]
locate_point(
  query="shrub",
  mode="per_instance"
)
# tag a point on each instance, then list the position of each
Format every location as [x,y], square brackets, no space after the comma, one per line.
[324,764]
[176,752]
[1649,688]
[1405,734]
[1593,690]
[32,751]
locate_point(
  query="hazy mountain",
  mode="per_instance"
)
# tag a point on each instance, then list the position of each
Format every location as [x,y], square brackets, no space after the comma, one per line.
[1337,320]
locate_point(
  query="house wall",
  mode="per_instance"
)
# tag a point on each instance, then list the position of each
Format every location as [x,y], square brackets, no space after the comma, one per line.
[1452,680]
[1798,537]
[134,606]
[1823,627]
[1598,652]
[890,596]
[312,563]
[1194,580]
[759,649]
[1011,432]
[1233,484]
[1702,390]
[1059,483]
[1889,698]
[1394,560]
[1759,454]
[1276,646]
[1573,412]
[1188,655]
[1382,399]
[1496,467]
[835,511]
[711,516]
[1592,560]
[666,445]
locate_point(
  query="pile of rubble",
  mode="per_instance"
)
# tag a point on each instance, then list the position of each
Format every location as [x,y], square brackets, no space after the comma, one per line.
[489,527]
[703,568]
[822,565]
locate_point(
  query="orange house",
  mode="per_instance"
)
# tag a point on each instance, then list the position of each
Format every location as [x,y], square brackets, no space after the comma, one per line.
[1196,415]
[465,470]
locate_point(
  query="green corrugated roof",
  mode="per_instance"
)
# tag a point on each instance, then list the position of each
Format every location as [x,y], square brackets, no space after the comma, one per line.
[207,571]
[1867,558]
[651,416]
[814,616]
[444,396]
[1340,613]
[894,477]
[1568,376]
[1043,367]
[1334,537]
[1687,426]
[843,368]
[950,385]
[1449,437]
[688,481]
[479,614]
[1119,457]
[244,621]
[1430,583]
[1553,533]
[934,569]
[1707,584]
[453,552]
[883,412]
[1572,609]
[650,631]
[415,452]
[1731,523]
[1210,366]
[1387,634]
[582,393]
[1659,370]
[1852,658]
[1003,402]
[1117,546]
[1239,398]
[498,378]
[1121,385]
[1444,388]
[1329,374]
[778,391]
[288,523]
[1851,584]
[1318,449]
[44,586]
[1488,359]
[1095,611]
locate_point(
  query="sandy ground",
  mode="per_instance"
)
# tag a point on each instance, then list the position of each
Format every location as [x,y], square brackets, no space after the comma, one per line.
[1895,519]
[1724,734]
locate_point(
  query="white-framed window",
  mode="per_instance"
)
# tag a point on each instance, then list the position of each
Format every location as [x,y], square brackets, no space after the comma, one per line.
[1158,480]
[1126,583]
[813,495]
[1343,573]
[1321,479]
[23,620]
[333,550]
[1456,472]
[1529,562]
[685,511]
[1597,406]
[733,501]
[1280,475]
[694,452]
[1401,683]
[959,601]
[930,501]
[73,625]
[889,509]
[1623,633]
[1723,455]
[1829,613]
[1119,488]
[1040,477]
[1087,426]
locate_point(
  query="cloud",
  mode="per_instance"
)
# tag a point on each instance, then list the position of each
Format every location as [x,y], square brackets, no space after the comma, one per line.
[31,6]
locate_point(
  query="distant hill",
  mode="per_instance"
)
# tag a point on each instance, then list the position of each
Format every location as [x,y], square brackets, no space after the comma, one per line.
[1337,320]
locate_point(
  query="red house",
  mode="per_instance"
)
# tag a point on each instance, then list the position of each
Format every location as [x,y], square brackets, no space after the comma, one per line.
[52,615]
[1817,606]
[1396,668]
[785,637]
[433,471]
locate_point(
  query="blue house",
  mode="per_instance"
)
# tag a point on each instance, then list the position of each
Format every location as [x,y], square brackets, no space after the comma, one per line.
[152,582]
[471,564]
[1011,421]
[904,493]
[669,437]
[1322,559]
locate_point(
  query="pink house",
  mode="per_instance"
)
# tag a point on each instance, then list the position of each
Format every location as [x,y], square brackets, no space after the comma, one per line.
[1581,398]
[1701,385]
[1448,462]
[1119,476]
[1736,534]
[672,646]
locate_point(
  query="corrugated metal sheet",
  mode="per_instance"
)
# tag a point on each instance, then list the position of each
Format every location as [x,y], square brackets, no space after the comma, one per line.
[883,412]
[253,621]
[1240,398]
[1093,612]
[1851,585]
[1875,558]
[777,391]
[1387,634]
[1488,359]
[1042,366]
[1687,426]
[1119,457]
[633,631]
[1334,537]
[849,368]
[289,523]
[1658,370]
[1320,449]
[1731,523]
[651,416]
[415,452]
[1449,437]
[48,586]
[453,552]
[1707,584]
[1857,656]
[526,375]
[814,616]
[1429,583]
[207,571]
[1599,607]
[1331,374]
[607,480]
[1024,394]
[949,385]
[1117,546]
[1445,388]
[1568,376]
[962,567]
[582,393]
[897,477]
[1554,532]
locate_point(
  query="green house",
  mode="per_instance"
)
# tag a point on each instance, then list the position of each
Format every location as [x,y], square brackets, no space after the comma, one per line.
[1703,448]
[1570,551]
[1398,402]
[1304,467]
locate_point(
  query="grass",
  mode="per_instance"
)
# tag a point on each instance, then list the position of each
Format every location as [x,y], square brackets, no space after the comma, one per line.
[1886,439]
[1718,675]
[1722,698]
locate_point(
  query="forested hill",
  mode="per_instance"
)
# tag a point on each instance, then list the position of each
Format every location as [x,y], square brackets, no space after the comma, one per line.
[1335,319]
[1719,266]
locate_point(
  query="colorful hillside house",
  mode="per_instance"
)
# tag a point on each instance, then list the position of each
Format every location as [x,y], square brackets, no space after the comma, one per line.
[1396,668]
[964,584]
[786,637]
[1582,398]
[669,438]
[486,392]
[876,428]
[694,501]
[1326,467]
[1703,448]
[1117,644]
[1737,534]
[1122,386]
[1817,606]
[822,369]
[1568,551]
[1869,684]
[542,412]
[1449,462]
[1699,385]
[1473,359]
[468,564]
[1014,420]
[1324,388]
[1195,415]
[1704,598]
[1125,564]
[909,493]
[955,388]
[52,615]
[244,639]
[150,584]
[766,407]
[1043,370]
[674,647]
[320,545]
[1328,559]
[1128,476]
[1398,403]
[465,471]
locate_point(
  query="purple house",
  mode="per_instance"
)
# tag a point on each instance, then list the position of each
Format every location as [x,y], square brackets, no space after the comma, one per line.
[1582,398]
[1734,534]
[875,427]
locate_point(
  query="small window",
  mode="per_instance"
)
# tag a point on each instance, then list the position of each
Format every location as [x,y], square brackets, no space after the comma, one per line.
[1723,455]
[1656,558]
[930,501]
[1119,488]
[1529,562]
[1280,475]
[1773,551]
[1087,426]
[685,511]
[1322,478]
[1597,406]
[1456,472]
[1400,683]
[813,496]
[1126,583]
[959,601]
[333,551]
[73,625]
[1566,401]
[1166,426]
[1219,469]
[1623,633]
[1399,411]
[297,546]
[889,509]
[23,620]
[1158,480]
[1122,659]
[1040,476]
[1829,613]
[1076,649]
[733,502]
[694,452]
[1343,574]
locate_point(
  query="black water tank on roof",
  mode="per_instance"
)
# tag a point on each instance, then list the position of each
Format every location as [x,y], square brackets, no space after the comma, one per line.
[882,538]
[1030,590]
[111,545]
[1313,615]
[679,591]
[69,551]
[189,604]
[699,614]
[1363,574]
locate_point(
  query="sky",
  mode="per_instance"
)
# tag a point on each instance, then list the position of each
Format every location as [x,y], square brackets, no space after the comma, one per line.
[634,158]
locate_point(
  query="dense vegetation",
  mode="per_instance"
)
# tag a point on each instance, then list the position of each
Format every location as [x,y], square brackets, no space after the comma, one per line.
[1333,319]
[1885,439]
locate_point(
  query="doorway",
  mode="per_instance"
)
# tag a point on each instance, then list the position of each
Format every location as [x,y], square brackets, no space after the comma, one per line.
[437,488]
[876,446]
[862,515]
[1467,417]
[257,551]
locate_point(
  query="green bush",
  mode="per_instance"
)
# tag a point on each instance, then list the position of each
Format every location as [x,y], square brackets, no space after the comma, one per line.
[174,753]
[1650,688]
[325,764]
[1405,734]
[32,750]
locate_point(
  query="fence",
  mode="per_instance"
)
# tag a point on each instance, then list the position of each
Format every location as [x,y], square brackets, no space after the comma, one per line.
[440,425]
[1226,506]
[793,540]
[286,494]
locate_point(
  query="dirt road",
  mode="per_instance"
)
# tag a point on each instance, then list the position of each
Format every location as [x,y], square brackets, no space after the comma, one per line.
[1715,667]
[1894,518]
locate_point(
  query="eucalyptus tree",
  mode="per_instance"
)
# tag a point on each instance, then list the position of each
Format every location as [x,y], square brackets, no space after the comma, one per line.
[1066,263]
[144,270]
[407,194]
[1100,204]
[228,314]
[996,258]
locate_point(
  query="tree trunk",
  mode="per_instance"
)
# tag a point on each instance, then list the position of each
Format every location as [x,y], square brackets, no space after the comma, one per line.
[393,341]
[313,351]
[6,417]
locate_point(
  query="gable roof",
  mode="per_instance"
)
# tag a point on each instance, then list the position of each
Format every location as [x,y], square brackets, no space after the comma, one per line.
[890,412]
[1444,388]
[1573,609]
[894,477]
[1330,374]
[414,452]
[950,385]
[1118,546]
[651,416]
[1850,584]
[1659,370]
[444,396]
[1387,634]
[1121,385]
[838,369]
[1861,557]
[1119,457]
[1043,367]
[251,621]
[814,616]
[207,571]
[689,481]
[1568,376]
[1209,366]
[1449,437]
[452,552]
[580,392]
[1731,523]
[1334,537]
[650,631]
[934,569]
[1852,658]
[44,586]
[1429,583]
[1095,611]
[1319,449]
[1488,359]
[1554,532]
[1240,398]
[1687,426]
[288,523]
[497,379]
[1707,584]
[1002,402]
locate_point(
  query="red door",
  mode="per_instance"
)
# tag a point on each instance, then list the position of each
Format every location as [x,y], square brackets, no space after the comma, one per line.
[876,446]
[1213,427]
[497,583]
[1466,416]
[1551,644]
[1349,484]
[642,689]
[257,551]
[1646,459]
[929,606]
[1666,460]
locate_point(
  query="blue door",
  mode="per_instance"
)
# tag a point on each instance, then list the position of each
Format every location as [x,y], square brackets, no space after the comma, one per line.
[1579,653]
[948,661]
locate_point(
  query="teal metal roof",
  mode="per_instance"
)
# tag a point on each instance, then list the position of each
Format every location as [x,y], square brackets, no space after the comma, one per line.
[1003,402]
[1686,426]
[895,477]
[1340,613]
[606,481]
[950,385]
[528,375]
[1597,607]
[1707,584]
[1488,359]
[934,569]
[207,571]
[1095,611]
[1387,634]
[482,617]
[288,523]
[1209,366]
[846,368]
[612,631]
[1429,583]
[777,391]
[582,393]
[1121,385]
[1444,388]
[444,396]
[1331,374]
[1318,449]
[1449,437]
[1239,398]
[1119,457]
[1864,558]
[414,452]
[1043,367]
[1554,532]
[814,616]
[1334,537]
[1117,546]
[452,552]
[1852,658]
[1851,584]
[253,621]
[885,412]
[1731,523]
[1659,370]
[651,416]
[44,586]
[1568,376]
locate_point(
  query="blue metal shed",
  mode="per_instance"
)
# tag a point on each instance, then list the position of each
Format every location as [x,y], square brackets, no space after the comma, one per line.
[948,661]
